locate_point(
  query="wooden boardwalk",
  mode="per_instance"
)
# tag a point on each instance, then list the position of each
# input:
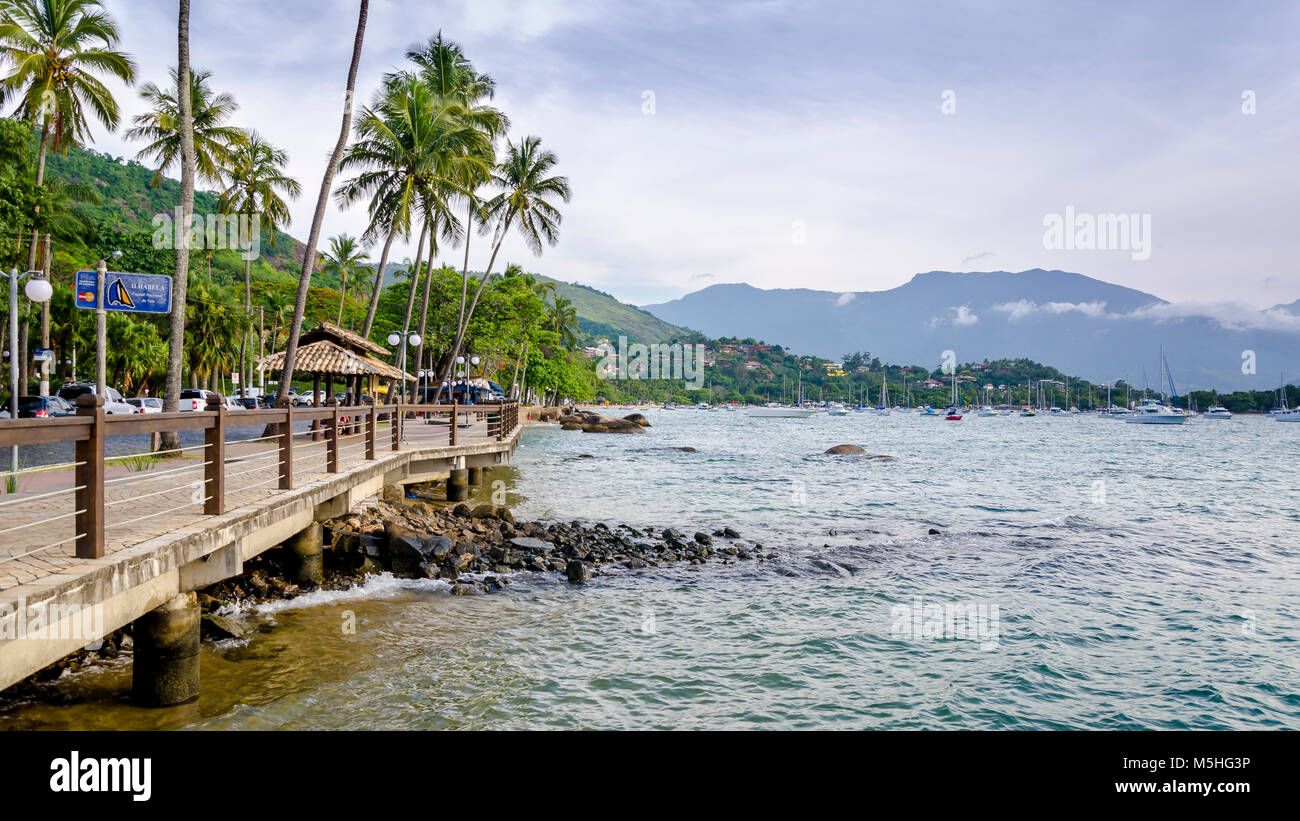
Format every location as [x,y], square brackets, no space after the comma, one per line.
[163,534]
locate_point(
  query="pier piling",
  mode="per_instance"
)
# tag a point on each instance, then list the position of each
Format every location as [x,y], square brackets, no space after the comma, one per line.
[458,485]
[475,476]
[165,670]
[308,552]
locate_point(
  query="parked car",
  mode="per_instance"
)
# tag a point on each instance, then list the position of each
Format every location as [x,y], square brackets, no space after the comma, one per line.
[250,402]
[233,403]
[310,398]
[194,399]
[113,402]
[146,404]
[342,396]
[40,407]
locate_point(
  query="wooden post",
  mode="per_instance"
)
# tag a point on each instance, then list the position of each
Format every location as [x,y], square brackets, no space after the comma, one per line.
[214,457]
[372,428]
[332,446]
[455,417]
[89,477]
[286,447]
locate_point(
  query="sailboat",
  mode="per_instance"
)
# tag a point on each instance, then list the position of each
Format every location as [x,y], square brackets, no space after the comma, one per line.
[883,410]
[1152,412]
[780,411]
[953,414]
[1282,413]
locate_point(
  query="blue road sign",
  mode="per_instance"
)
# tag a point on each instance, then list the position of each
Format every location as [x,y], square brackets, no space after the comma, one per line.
[140,293]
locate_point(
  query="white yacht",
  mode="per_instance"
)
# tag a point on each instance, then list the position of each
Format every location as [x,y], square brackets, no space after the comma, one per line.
[1155,413]
[1217,412]
[780,411]
[836,409]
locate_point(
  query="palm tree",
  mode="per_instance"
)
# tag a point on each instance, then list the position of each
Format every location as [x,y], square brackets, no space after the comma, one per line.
[169,441]
[255,179]
[322,199]
[410,149]
[444,68]
[562,318]
[215,321]
[345,256]
[56,49]
[526,190]
[214,141]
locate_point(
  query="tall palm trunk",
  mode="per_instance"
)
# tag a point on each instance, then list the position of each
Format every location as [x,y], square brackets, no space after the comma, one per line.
[245,368]
[40,181]
[410,303]
[379,283]
[343,297]
[424,310]
[467,311]
[170,441]
[327,183]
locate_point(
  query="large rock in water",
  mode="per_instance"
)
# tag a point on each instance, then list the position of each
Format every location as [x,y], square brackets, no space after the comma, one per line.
[846,450]
[589,422]
[578,571]
[412,556]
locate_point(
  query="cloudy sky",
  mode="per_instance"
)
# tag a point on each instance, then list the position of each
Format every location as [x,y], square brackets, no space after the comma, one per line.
[843,146]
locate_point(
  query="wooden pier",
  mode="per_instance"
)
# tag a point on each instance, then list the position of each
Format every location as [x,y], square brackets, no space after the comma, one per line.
[120,540]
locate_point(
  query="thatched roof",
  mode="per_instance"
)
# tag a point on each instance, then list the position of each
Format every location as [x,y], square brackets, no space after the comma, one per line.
[325,356]
[342,336]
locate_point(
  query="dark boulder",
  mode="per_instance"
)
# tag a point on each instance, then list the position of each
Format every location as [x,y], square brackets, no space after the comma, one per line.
[578,571]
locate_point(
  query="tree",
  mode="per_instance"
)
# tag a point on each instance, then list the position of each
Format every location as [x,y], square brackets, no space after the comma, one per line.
[56,47]
[410,149]
[563,320]
[327,182]
[345,256]
[255,179]
[214,141]
[169,441]
[524,200]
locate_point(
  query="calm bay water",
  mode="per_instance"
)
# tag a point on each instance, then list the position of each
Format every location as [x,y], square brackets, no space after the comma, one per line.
[1126,577]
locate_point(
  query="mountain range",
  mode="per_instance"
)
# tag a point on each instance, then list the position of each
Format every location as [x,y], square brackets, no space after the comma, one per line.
[1098,330]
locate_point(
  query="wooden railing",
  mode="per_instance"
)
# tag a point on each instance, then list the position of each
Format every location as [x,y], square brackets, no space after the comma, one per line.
[349,433]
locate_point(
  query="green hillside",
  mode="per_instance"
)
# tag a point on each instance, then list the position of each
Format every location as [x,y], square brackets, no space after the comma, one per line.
[601,315]
[127,201]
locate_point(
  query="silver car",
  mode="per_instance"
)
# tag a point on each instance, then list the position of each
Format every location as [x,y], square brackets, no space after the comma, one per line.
[114,404]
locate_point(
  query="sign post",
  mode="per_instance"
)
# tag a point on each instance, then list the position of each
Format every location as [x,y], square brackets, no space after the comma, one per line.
[101,292]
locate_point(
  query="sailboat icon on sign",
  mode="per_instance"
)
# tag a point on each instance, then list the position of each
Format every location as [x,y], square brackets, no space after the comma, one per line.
[119,296]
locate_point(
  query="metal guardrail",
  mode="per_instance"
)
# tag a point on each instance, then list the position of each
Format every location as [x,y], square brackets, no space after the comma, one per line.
[344,431]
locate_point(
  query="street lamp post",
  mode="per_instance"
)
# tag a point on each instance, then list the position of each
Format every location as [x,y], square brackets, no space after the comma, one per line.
[38,290]
[396,339]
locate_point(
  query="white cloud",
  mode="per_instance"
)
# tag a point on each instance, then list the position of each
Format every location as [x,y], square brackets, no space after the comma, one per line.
[960,316]
[845,298]
[1233,315]
[1019,309]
